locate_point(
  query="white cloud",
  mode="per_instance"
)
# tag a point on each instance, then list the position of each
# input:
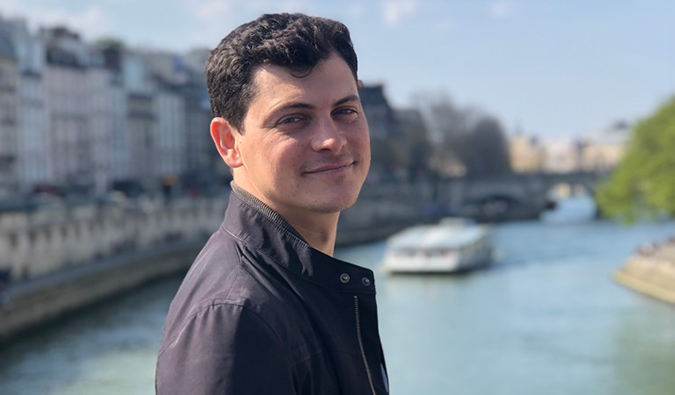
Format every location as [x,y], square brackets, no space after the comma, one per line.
[211,20]
[394,11]
[211,11]
[12,8]
[501,9]
[216,12]
[215,18]
[92,22]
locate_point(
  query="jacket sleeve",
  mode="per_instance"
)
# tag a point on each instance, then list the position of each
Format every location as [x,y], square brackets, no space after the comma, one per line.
[224,349]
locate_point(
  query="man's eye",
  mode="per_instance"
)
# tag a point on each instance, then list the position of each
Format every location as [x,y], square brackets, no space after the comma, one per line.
[346,113]
[290,120]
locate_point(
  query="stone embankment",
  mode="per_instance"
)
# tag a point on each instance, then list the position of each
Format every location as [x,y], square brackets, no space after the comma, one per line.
[651,270]
[55,237]
[61,258]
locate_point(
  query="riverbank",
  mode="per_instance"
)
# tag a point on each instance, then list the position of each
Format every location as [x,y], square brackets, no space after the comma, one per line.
[35,301]
[651,271]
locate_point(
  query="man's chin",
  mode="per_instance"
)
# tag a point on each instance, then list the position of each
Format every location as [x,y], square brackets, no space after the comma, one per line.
[333,206]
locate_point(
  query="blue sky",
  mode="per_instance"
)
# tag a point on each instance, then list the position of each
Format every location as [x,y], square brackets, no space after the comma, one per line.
[552,68]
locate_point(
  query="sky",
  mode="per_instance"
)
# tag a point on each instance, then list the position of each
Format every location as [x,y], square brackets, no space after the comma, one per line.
[547,68]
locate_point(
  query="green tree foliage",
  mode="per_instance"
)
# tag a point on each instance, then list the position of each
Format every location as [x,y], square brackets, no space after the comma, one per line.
[644,180]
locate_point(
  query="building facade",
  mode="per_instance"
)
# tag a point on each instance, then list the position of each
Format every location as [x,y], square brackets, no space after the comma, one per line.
[527,154]
[170,133]
[603,150]
[9,83]
[67,104]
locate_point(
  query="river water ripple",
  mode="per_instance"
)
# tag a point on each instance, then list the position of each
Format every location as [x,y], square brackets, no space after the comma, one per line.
[545,319]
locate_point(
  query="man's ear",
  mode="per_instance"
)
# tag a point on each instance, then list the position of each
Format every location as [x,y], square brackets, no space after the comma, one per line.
[359,84]
[225,138]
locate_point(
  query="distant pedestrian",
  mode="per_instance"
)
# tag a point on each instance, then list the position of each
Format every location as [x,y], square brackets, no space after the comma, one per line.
[265,308]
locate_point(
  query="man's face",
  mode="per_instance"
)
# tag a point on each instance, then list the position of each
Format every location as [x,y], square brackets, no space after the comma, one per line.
[305,146]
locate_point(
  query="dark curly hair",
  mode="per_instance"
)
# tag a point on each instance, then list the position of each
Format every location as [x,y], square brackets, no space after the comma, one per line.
[294,41]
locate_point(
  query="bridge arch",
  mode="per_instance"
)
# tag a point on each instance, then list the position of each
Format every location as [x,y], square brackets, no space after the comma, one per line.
[564,189]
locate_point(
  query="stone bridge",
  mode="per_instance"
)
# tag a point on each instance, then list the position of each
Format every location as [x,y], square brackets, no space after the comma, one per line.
[523,195]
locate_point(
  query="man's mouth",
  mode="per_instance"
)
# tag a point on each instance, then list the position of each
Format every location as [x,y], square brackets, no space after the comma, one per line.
[333,167]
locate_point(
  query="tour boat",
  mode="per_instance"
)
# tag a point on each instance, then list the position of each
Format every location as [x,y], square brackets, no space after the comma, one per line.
[453,245]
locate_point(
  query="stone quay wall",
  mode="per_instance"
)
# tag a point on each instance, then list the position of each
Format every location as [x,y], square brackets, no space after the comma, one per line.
[61,258]
[651,270]
[38,242]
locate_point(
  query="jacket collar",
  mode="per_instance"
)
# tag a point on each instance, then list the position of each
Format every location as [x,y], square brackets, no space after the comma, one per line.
[265,231]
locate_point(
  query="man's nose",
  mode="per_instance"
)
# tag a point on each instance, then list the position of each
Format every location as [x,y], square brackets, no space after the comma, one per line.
[328,136]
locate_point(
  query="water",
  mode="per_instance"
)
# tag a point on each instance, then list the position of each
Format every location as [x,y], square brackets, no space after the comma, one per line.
[572,209]
[545,319]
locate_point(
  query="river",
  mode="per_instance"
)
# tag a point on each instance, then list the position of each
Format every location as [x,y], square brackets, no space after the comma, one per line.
[545,319]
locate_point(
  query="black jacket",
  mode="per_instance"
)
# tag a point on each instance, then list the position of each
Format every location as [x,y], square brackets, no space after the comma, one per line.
[262,312]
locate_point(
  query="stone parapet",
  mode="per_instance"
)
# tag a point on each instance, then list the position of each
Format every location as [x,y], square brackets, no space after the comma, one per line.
[38,242]
[30,303]
[62,258]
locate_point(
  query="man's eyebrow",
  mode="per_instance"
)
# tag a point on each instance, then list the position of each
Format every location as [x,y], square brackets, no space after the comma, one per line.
[346,100]
[311,106]
[298,105]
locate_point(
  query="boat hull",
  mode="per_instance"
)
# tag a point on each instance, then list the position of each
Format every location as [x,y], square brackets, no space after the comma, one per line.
[450,247]
[431,265]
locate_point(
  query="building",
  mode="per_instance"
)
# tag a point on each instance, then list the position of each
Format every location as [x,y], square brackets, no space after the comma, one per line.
[107,119]
[67,104]
[141,123]
[527,154]
[381,124]
[33,126]
[199,150]
[414,141]
[603,150]
[84,116]
[112,89]
[31,160]
[9,82]
[169,76]
[170,136]
[378,111]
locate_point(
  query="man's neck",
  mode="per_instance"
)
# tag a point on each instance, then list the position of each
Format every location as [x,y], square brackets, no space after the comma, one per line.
[319,230]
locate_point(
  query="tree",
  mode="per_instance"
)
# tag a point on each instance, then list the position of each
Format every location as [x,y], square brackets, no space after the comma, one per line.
[644,180]
[109,42]
[466,135]
[411,144]
[488,151]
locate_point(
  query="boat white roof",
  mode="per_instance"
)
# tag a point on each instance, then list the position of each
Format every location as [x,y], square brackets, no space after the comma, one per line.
[437,236]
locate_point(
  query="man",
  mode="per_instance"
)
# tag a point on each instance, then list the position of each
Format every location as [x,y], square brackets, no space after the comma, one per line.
[265,308]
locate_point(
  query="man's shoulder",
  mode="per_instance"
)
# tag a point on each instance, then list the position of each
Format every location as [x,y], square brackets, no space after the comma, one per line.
[227,280]
[217,277]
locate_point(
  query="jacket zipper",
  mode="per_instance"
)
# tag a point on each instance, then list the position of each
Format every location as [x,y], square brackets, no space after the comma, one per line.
[363,352]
